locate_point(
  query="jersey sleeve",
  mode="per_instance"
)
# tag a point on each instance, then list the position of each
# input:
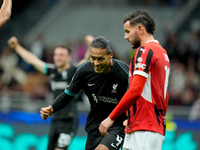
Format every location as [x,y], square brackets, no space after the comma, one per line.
[76,83]
[49,68]
[61,101]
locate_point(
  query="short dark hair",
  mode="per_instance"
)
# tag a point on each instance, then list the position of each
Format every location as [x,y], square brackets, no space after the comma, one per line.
[142,17]
[65,46]
[101,42]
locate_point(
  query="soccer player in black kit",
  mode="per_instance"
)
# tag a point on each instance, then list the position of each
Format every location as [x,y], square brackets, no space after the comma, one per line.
[104,81]
[64,123]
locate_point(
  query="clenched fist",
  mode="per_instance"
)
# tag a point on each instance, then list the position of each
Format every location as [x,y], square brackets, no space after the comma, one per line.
[46,112]
[13,42]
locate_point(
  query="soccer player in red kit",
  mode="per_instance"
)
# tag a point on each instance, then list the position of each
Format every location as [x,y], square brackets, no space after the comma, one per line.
[146,100]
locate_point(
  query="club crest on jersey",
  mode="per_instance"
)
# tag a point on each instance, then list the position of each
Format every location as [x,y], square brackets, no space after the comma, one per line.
[143,50]
[139,59]
[114,90]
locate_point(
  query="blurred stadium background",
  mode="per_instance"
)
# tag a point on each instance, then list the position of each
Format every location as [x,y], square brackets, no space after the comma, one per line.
[40,24]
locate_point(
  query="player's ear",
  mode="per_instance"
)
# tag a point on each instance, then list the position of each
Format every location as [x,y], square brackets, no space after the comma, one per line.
[111,54]
[140,28]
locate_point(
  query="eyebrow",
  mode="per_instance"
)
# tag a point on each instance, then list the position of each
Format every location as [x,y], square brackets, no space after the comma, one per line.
[96,57]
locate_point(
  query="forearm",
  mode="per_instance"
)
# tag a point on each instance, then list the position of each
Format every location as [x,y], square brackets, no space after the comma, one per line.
[61,101]
[25,54]
[5,11]
[30,58]
[130,97]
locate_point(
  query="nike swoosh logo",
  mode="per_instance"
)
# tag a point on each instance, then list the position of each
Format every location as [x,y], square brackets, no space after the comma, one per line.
[91,84]
[113,145]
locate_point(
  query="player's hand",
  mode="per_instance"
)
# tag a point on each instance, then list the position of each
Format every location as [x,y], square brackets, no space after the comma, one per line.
[105,125]
[125,123]
[46,112]
[13,42]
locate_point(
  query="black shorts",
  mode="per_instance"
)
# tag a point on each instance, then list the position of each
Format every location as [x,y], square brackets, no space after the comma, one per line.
[61,133]
[113,140]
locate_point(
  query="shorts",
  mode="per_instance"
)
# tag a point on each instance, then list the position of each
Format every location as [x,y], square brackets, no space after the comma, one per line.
[143,140]
[113,140]
[61,133]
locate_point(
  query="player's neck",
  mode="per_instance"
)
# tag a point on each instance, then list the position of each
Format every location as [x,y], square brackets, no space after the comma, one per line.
[65,67]
[109,68]
[147,38]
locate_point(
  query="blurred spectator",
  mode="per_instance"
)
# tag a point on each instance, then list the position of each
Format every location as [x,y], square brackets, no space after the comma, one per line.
[5,100]
[187,97]
[194,44]
[171,45]
[38,46]
[192,76]
[12,76]
[37,84]
[182,53]
[176,82]
[79,50]
[195,109]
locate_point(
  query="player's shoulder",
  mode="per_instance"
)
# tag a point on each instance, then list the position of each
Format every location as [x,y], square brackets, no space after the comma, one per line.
[86,66]
[123,65]
[120,62]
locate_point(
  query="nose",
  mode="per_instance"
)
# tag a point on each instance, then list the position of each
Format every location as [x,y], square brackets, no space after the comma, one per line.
[125,36]
[96,63]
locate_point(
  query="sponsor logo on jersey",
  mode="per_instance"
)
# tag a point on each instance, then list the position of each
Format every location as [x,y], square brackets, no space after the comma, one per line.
[140,65]
[95,98]
[58,85]
[108,100]
[91,84]
[104,99]
[143,50]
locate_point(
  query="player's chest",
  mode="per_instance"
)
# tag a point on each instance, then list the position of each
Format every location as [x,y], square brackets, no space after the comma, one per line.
[105,85]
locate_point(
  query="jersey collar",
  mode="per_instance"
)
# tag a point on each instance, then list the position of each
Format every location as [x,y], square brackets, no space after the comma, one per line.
[152,41]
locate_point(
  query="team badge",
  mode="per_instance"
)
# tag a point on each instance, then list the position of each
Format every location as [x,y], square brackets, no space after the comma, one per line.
[114,90]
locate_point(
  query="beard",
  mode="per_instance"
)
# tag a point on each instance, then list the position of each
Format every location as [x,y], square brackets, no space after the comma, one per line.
[136,41]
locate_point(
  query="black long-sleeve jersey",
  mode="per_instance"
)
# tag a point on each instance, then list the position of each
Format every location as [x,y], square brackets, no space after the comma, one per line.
[59,81]
[103,90]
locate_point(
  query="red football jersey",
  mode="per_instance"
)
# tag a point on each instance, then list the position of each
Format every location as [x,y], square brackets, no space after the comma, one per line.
[148,113]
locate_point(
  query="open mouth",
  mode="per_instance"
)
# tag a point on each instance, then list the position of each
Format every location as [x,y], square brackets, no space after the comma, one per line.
[98,68]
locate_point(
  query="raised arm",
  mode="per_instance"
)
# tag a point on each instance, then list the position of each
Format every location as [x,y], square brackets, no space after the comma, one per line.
[5,11]
[26,55]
